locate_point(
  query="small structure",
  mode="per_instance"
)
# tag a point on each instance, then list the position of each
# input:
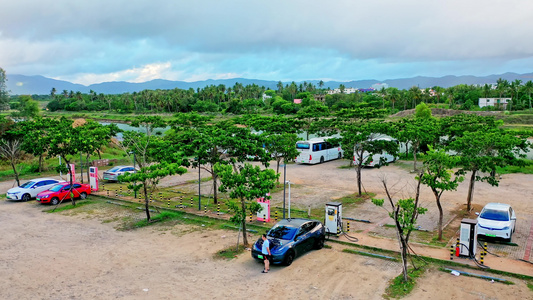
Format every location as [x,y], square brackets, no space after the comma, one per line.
[499,103]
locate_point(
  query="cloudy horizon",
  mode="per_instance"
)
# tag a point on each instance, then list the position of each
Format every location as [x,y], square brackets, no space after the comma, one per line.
[136,41]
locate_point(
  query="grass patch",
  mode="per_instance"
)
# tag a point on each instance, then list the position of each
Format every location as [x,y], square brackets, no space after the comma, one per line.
[530,286]
[70,206]
[355,199]
[229,253]
[398,288]
[514,169]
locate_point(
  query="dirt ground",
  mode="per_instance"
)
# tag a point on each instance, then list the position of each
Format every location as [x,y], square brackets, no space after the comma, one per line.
[83,256]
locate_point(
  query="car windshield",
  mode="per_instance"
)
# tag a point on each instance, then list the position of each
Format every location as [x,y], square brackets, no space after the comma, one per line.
[282,232]
[115,169]
[56,188]
[27,184]
[495,215]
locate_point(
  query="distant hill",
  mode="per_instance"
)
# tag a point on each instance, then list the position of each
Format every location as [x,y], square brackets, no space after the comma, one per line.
[24,85]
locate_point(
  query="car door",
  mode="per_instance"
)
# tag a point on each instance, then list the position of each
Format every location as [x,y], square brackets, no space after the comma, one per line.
[513,218]
[38,187]
[306,240]
[76,190]
[63,193]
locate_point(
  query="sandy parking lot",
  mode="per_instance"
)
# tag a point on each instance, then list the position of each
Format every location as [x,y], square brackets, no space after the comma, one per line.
[64,256]
[82,256]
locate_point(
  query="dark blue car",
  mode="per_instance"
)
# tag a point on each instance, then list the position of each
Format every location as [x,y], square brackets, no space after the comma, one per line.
[290,238]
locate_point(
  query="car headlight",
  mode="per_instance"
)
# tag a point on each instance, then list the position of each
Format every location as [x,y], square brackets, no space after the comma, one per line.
[44,196]
[15,193]
[506,228]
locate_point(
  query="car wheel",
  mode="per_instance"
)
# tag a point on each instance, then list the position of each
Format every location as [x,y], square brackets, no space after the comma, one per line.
[320,243]
[83,195]
[26,197]
[321,159]
[54,201]
[340,155]
[510,237]
[289,258]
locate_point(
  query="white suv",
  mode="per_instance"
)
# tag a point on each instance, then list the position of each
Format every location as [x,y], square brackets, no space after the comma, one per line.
[497,220]
[30,189]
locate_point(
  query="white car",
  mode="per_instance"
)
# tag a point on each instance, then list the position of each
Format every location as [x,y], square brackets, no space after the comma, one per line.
[497,220]
[30,189]
[113,173]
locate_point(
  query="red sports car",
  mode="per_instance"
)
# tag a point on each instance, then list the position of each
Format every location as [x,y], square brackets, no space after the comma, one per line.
[60,192]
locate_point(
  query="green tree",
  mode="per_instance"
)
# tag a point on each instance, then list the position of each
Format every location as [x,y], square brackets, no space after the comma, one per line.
[418,133]
[281,147]
[366,140]
[149,177]
[312,114]
[404,212]
[65,141]
[481,152]
[4,93]
[245,183]
[422,111]
[27,108]
[437,174]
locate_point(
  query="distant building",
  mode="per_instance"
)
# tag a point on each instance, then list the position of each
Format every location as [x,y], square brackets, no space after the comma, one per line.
[380,86]
[265,96]
[320,97]
[500,103]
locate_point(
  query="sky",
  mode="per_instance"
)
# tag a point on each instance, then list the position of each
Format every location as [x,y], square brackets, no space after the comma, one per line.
[97,41]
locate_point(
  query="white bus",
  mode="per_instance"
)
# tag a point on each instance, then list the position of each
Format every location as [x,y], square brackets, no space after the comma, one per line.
[317,150]
[376,159]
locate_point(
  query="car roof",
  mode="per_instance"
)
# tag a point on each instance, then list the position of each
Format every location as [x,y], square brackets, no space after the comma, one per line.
[41,179]
[497,206]
[295,222]
[121,167]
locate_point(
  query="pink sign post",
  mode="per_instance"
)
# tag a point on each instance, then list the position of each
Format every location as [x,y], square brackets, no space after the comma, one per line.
[72,171]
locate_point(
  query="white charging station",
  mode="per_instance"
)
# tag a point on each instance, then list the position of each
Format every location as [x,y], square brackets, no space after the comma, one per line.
[468,238]
[333,219]
[93,178]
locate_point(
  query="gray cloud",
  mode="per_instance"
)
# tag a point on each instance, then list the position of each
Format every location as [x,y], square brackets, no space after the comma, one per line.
[65,37]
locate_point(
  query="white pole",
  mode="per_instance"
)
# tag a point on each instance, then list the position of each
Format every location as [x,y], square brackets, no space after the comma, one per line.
[289,183]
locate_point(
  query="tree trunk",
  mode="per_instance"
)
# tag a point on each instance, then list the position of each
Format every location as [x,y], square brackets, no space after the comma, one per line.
[244,236]
[415,150]
[441,214]
[15,172]
[404,259]
[215,195]
[40,163]
[71,183]
[88,174]
[146,201]
[358,172]
[471,191]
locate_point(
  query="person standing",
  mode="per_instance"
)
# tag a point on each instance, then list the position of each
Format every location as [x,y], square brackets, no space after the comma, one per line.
[265,250]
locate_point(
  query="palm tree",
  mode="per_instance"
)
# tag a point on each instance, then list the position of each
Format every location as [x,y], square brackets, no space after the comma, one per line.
[528,88]
[342,88]
[502,86]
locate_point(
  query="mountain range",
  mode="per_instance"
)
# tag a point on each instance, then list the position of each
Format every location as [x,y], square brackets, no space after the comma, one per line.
[40,85]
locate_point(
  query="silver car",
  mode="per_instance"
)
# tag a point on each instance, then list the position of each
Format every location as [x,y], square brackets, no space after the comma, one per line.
[113,173]
[30,189]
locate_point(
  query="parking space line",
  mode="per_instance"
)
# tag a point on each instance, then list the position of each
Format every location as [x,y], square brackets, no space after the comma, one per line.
[529,243]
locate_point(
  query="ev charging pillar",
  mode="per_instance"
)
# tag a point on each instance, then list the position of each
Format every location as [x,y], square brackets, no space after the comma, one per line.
[468,238]
[333,220]
[93,178]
